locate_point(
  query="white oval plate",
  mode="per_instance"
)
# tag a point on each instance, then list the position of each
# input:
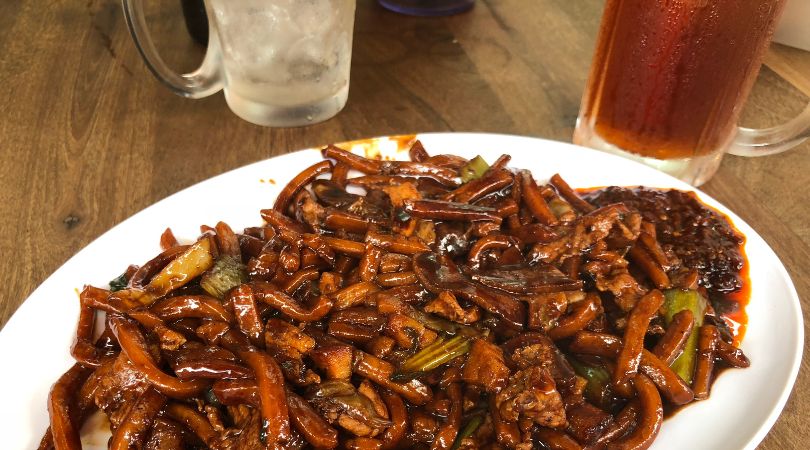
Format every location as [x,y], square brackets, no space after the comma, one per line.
[743,406]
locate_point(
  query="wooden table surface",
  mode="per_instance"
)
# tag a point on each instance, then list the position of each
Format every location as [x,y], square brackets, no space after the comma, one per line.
[88,137]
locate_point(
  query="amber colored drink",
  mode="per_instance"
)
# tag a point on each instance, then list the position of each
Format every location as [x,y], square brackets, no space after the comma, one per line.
[669,77]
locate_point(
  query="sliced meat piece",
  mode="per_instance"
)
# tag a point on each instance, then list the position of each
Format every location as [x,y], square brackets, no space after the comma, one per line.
[446,305]
[340,403]
[614,278]
[535,354]
[166,435]
[399,192]
[485,367]
[532,394]
[591,228]
[545,309]
[246,432]
[309,211]
[288,343]
[119,386]
[408,332]
[586,422]
[532,349]
[335,360]
[288,338]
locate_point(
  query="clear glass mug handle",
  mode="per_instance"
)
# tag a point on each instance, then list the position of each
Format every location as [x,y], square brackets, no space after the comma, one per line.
[768,141]
[204,81]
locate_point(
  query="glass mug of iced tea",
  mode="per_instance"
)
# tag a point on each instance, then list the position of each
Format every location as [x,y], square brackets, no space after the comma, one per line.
[279,62]
[668,81]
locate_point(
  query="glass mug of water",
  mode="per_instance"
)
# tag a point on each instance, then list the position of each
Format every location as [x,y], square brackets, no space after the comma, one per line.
[279,62]
[668,81]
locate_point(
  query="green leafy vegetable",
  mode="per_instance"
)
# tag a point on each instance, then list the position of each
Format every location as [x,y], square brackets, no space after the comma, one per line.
[559,207]
[598,379]
[211,398]
[468,430]
[441,325]
[474,169]
[227,273]
[403,215]
[676,301]
[119,283]
[433,356]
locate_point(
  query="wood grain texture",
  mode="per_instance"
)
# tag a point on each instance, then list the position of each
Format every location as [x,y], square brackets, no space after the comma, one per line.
[791,64]
[88,137]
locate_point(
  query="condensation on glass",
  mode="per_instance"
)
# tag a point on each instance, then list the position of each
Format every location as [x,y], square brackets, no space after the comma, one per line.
[279,62]
[669,79]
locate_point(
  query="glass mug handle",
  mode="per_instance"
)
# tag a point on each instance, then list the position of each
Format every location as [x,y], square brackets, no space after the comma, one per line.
[769,141]
[204,81]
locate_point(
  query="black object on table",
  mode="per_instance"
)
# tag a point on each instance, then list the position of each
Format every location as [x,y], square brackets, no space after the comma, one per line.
[196,20]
